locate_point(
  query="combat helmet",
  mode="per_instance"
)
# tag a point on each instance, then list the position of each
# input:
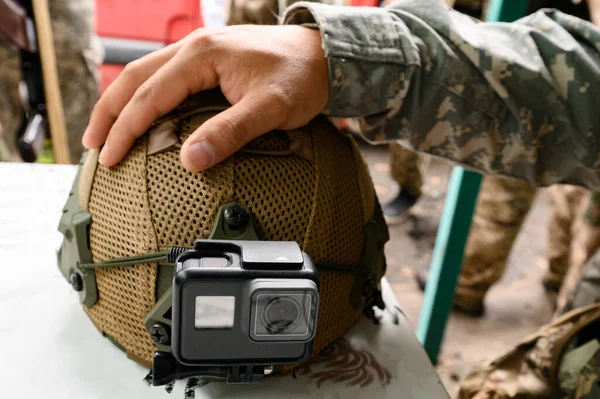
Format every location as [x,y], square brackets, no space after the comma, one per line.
[309,185]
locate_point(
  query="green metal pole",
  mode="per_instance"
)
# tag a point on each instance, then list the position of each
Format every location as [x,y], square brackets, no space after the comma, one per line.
[447,258]
[455,224]
[506,10]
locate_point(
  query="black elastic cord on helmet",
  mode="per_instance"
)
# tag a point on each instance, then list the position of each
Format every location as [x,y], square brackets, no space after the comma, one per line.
[128,261]
[170,256]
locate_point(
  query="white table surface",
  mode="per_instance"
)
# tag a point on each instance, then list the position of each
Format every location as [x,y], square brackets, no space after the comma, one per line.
[50,349]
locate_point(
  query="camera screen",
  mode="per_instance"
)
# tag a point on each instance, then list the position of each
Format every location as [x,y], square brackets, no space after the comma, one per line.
[283,314]
[214,312]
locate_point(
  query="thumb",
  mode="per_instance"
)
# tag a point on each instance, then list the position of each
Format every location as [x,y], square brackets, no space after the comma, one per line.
[224,134]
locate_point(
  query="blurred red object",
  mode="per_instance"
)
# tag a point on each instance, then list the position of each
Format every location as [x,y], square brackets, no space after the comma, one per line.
[364,3]
[158,22]
[108,73]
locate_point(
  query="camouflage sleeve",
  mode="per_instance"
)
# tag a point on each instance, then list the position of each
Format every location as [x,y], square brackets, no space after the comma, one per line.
[513,99]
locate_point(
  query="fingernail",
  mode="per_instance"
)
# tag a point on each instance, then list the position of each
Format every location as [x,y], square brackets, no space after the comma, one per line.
[85,133]
[102,157]
[201,154]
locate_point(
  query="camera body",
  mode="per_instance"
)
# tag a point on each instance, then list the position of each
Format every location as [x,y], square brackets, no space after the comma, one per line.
[238,303]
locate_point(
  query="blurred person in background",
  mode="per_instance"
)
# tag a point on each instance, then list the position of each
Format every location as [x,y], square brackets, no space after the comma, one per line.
[562,358]
[503,204]
[78,57]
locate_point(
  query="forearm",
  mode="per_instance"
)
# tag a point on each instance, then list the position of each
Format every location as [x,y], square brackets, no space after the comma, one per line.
[514,99]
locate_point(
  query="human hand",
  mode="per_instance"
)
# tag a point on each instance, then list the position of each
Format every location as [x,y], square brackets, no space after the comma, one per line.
[274,76]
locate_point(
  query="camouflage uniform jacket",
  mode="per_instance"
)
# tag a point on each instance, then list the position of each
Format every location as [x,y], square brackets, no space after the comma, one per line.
[513,99]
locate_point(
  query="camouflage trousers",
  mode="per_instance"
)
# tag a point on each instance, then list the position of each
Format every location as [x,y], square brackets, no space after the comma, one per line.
[407,169]
[503,204]
[501,209]
[78,55]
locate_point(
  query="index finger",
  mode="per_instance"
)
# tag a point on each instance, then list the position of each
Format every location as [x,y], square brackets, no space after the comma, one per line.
[118,94]
[186,73]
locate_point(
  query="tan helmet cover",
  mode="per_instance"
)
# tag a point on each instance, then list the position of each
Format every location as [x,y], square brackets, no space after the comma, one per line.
[310,186]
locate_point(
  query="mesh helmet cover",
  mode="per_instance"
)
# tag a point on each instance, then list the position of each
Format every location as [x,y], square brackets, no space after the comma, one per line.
[150,202]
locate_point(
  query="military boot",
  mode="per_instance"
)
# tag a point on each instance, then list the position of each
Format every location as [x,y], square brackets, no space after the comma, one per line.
[466,300]
[406,169]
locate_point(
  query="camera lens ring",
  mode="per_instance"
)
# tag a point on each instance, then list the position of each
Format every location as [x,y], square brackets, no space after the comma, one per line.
[287,308]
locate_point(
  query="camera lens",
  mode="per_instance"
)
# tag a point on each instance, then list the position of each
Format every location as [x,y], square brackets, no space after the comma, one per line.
[281,313]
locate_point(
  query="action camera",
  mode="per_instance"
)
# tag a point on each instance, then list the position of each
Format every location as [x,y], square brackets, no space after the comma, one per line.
[248,304]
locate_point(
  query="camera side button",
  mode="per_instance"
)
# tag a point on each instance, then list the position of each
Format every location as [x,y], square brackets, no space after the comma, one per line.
[214,262]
